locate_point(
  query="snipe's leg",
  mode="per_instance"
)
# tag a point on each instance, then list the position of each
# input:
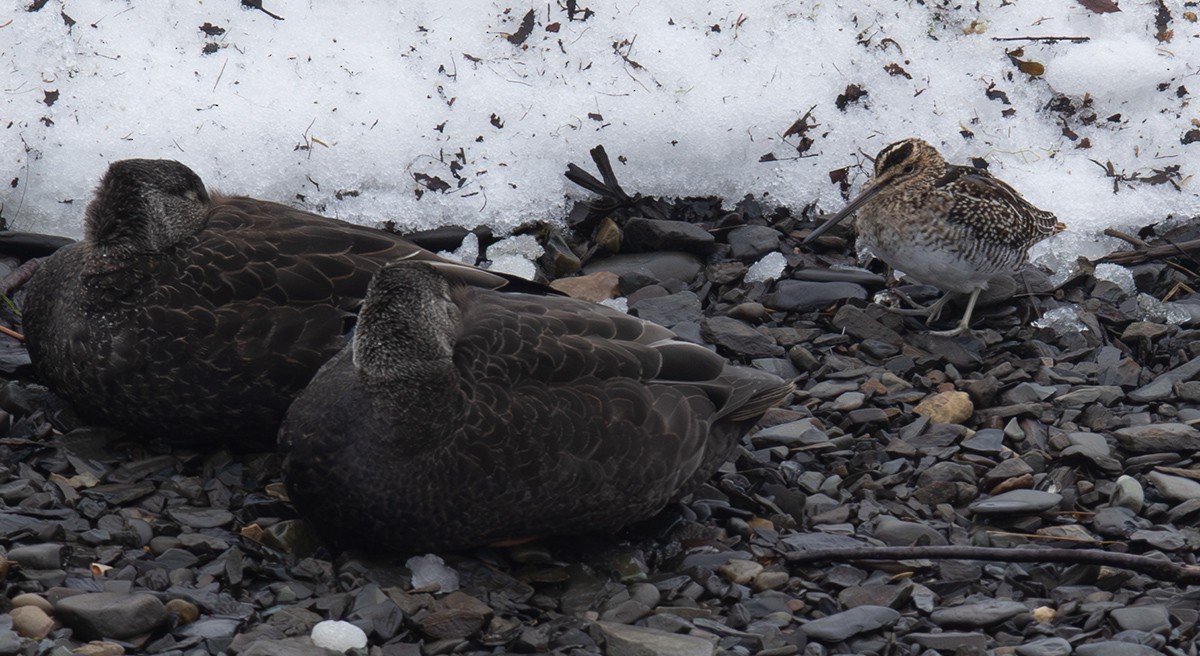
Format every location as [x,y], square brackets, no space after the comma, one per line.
[964,326]
[933,310]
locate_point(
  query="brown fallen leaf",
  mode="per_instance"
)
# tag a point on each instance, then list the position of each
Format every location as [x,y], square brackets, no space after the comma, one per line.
[1100,6]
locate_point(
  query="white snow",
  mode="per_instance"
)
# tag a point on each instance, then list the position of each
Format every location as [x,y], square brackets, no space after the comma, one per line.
[338,636]
[355,109]
[429,570]
[515,256]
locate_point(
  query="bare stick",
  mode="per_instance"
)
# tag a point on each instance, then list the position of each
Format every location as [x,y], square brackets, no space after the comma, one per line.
[1157,568]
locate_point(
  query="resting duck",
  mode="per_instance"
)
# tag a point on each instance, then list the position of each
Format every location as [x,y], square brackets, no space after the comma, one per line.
[460,417]
[198,317]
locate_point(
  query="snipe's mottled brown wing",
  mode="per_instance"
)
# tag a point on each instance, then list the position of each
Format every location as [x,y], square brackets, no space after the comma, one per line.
[994,211]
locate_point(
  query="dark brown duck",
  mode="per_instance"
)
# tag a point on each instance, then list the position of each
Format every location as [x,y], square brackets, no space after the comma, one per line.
[461,417]
[198,317]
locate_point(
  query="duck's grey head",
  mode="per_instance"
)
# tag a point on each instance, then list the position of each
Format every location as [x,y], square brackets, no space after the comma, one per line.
[408,323]
[145,206]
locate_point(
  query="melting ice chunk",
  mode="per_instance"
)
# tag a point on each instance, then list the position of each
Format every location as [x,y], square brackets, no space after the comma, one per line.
[1152,309]
[467,253]
[1061,320]
[429,570]
[1116,274]
[515,256]
[619,303]
[770,267]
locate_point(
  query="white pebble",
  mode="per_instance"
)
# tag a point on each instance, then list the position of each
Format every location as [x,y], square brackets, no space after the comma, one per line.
[338,636]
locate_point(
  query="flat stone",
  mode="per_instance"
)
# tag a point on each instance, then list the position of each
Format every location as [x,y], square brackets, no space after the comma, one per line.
[594,287]
[898,533]
[1115,648]
[642,234]
[860,325]
[1016,502]
[1163,386]
[201,517]
[740,571]
[1045,647]
[1177,488]
[978,615]
[670,309]
[840,626]
[622,640]
[1147,329]
[800,296]
[110,614]
[752,242]
[657,267]
[951,641]
[299,646]
[99,648]
[947,407]
[891,596]
[739,337]
[1159,438]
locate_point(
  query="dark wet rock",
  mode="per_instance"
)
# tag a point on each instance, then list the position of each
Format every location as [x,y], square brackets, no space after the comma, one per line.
[643,234]
[858,324]
[843,625]
[216,633]
[37,556]
[1159,438]
[752,242]
[798,295]
[891,596]
[738,337]
[650,267]
[458,615]
[111,615]
[668,310]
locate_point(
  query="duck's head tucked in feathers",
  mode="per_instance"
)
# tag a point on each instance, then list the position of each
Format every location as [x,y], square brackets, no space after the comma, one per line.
[408,319]
[145,206]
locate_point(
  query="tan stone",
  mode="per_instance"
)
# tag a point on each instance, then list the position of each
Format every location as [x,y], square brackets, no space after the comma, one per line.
[740,571]
[947,407]
[31,622]
[608,235]
[100,648]
[185,610]
[594,287]
[30,599]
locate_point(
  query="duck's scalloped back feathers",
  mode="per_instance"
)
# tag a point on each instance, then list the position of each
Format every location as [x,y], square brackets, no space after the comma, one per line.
[209,337]
[558,425]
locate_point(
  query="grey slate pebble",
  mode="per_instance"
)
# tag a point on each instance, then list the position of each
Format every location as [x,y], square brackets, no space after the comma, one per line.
[840,626]
[1046,647]
[799,295]
[111,615]
[977,615]
[1016,502]
[669,310]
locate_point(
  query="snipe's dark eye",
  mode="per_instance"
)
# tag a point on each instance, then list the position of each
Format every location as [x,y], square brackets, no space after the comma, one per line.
[909,168]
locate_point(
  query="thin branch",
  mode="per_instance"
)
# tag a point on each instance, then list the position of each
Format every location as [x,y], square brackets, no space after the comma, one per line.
[1157,568]
[1047,39]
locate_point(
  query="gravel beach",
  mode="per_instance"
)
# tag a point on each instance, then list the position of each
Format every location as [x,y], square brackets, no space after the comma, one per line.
[1068,419]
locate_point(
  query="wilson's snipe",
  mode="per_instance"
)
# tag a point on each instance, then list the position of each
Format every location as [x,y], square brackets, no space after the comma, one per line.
[953,227]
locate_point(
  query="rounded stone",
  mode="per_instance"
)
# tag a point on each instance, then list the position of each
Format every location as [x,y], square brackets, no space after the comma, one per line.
[183,609]
[30,599]
[31,622]
[111,615]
